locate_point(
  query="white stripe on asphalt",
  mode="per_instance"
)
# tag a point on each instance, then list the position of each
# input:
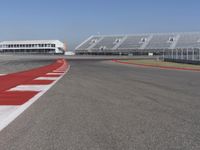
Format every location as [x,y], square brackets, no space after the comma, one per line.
[5,111]
[47,78]
[30,88]
[57,71]
[54,73]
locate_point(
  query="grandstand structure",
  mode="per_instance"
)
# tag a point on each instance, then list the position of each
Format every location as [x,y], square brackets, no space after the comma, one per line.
[137,44]
[33,47]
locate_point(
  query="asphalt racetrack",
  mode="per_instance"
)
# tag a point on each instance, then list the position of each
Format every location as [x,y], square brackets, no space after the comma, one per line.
[102,105]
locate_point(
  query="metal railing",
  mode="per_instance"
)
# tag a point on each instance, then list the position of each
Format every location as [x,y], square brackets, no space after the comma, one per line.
[182,54]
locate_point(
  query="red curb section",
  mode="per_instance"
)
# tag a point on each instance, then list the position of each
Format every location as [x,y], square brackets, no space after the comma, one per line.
[39,82]
[10,81]
[16,97]
[156,66]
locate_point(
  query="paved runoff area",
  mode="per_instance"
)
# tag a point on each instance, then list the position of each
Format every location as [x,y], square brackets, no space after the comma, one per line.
[103,105]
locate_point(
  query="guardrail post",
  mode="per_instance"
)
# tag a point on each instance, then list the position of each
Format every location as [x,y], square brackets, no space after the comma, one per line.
[182,54]
[199,54]
[193,54]
[163,55]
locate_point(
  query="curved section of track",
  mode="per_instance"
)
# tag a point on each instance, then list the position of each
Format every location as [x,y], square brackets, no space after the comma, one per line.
[19,90]
[105,105]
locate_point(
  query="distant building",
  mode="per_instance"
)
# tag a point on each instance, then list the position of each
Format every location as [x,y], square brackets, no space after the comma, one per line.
[33,47]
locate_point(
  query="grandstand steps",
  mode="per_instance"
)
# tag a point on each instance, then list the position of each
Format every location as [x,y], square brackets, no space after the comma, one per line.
[118,45]
[176,39]
[84,42]
[94,44]
[147,42]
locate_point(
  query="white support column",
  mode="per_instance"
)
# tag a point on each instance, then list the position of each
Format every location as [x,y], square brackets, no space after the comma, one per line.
[176,54]
[193,54]
[163,55]
[182,54]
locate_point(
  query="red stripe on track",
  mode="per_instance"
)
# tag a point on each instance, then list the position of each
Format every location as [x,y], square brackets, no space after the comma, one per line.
[15,98]
[27,78]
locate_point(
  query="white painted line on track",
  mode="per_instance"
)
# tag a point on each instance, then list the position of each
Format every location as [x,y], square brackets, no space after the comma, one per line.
[2,74]
[11,117]
[30,88]
[54,73]
[47,78]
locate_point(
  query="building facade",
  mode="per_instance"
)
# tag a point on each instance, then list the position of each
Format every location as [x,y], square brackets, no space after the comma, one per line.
[33,47]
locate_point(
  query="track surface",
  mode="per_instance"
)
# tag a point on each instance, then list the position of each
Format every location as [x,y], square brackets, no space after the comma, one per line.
[103,105]
[16,65]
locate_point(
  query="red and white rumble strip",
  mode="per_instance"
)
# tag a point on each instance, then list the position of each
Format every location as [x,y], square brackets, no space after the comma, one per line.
[19,90]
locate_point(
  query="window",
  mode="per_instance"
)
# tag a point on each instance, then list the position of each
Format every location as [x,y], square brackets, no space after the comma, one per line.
[53,45]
